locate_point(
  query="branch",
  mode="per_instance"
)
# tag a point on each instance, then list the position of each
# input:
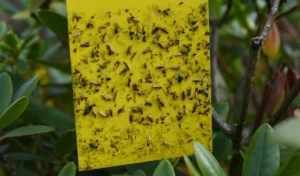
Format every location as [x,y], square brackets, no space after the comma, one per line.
[286,103]
[214,65]
[296,7]
[224,126]
[215,25]
[223,19]
[272,17]
[256,44]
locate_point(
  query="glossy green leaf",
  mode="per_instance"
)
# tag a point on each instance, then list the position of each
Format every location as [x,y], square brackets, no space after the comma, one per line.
[3,28]
[34,4]
[262,157]
[139,173]
[25,157]
[66,143]
[297,101]
[206,161]
[192,169]
[29,130]
[164,168]
[27,88]
[41,113]
[55,22]
[11,39]
[13,112]
[291,166]
[6,90]
[222,109]
[68,170]
[287,133]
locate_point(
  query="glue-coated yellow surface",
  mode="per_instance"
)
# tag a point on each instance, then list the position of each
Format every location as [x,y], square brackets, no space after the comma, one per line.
[140,78]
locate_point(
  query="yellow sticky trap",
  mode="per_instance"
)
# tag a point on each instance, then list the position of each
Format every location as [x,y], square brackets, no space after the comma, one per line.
[141,79]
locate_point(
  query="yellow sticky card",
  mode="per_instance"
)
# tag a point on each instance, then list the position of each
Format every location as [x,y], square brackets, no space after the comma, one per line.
[141,79]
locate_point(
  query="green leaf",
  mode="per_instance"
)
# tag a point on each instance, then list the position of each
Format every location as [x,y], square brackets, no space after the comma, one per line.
[34,4]
[30,40]
[59,7]
[206,161]
[58,77]
[22,65]
[287,133]
[68,170]
[55,22]
[13,112]
[41,113]
[34,51]
[27,88]
[222,109]
[11,39]
[5,49]
[3,28]
[139,173]
[297,101]
[66,143]
[29,130]
[22,15]
[6,90]
[25,157]
[164,168]
[192,169]
[285,153]
[262,157]
[221,146]
[291,166]
[47,55]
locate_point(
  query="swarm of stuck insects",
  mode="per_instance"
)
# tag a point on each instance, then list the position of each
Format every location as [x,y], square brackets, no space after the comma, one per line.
[159,70]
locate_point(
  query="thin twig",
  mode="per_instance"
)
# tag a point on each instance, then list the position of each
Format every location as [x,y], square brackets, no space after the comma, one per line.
[215,25]
[272,17]
[286,103]
[256,44]
[214,66]
[224,17]
[223,125]
[284,14]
